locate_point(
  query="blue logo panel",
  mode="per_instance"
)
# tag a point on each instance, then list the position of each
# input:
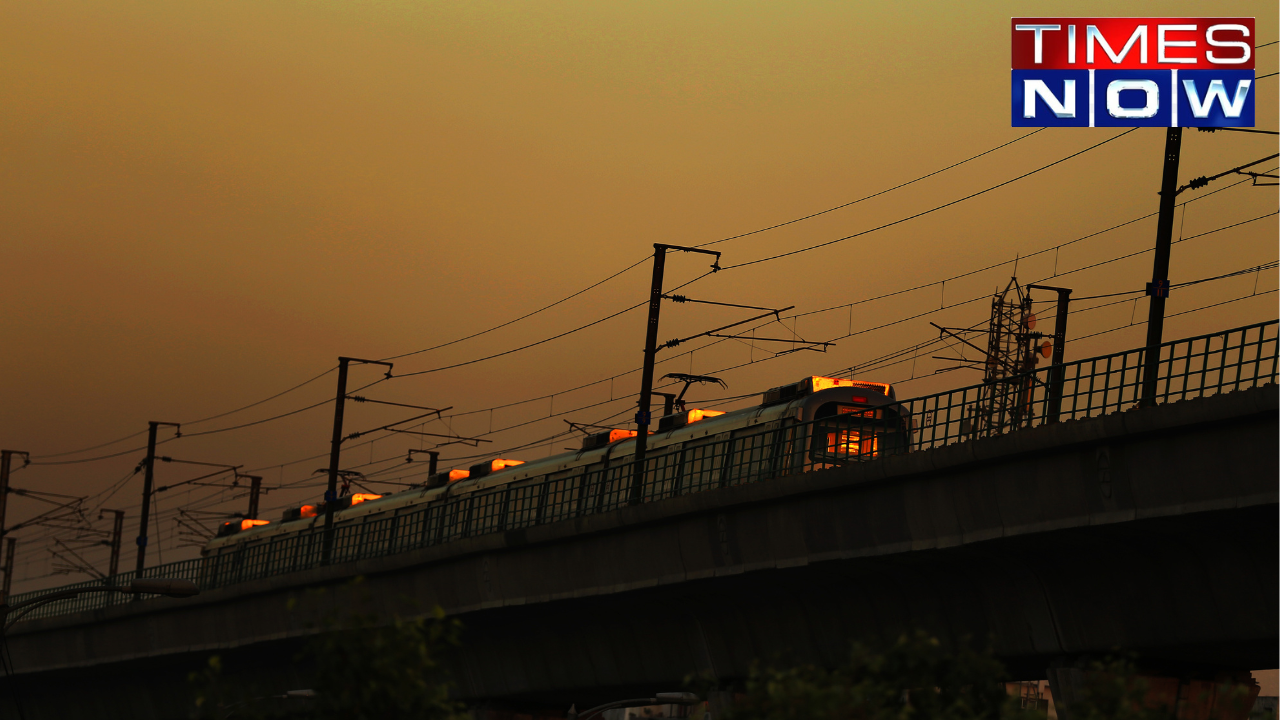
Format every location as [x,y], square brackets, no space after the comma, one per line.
[1050,98]
[1215,98]
[1133,98]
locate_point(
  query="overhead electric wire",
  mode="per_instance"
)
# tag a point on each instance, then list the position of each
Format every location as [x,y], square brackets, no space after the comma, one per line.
[278,417]
[523,317]
[639,262]
[609,317]
[642,260]
[711,402]
[524,347]
[545,340]
[374,477]
[204,432]
[641,304]
[845,305]
[934,310]
[1266,266]
[873,195]
[1147,250]
[630,267]
[264,400]
[104,457]
[1245,271]
[1130,293]
[931,210]
[775,257]
[876,364]
[714,242]
[981,297]
[862,331]
[1173,315]
[546,440]
[1022,257]
[812,247]
[1056,275]
[45,532]
[93,447]
[192,422]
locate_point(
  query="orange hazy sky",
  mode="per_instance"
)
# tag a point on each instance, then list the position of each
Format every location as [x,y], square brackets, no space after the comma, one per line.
[205,204]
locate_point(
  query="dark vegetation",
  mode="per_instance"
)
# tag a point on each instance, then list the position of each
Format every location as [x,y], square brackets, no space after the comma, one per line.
[362,669]
[918,678]
[359,668]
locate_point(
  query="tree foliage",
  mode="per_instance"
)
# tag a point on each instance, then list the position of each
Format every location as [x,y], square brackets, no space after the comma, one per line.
[368,671]
[916,678]
[360,667]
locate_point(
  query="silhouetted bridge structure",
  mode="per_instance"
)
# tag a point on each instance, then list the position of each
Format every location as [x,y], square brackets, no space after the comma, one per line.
[1152,530]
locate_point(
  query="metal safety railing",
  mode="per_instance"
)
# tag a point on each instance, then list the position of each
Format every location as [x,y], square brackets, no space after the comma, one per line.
[1235,359]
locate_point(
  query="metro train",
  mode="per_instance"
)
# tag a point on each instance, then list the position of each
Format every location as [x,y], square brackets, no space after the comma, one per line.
[834,421]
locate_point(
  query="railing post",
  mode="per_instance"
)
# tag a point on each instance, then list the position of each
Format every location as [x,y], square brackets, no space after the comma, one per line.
[677,481]
[503,509]
[584,488]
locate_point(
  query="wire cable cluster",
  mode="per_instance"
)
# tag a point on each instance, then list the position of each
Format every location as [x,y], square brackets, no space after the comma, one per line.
[188,512]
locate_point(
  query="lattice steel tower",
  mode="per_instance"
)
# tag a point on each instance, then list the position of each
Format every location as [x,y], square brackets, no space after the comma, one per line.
[1005,402]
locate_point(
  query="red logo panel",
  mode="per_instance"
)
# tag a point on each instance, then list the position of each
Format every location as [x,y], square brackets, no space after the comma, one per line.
[1132,43]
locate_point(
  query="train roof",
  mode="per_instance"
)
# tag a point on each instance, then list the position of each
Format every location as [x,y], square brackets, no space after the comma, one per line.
[799,400]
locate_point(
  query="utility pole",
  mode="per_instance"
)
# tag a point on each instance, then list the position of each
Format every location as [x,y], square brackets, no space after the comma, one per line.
[6,461]
[149,465]
[643,414]
[117,535]
[1158,288]
[1057,373]
[9,544]
[335,450]
[335,456]
[255,488]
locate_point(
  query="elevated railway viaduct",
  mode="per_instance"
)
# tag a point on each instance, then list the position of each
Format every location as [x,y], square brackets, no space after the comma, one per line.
[1152,531]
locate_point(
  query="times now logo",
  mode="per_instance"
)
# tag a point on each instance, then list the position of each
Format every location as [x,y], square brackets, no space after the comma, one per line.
[1132,72]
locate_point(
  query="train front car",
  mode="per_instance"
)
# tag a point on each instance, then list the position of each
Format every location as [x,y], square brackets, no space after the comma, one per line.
[852,420]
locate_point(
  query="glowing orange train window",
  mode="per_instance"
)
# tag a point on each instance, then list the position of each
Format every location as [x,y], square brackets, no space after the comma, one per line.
[853,443]
[307,511]
[246,524]
[361,497]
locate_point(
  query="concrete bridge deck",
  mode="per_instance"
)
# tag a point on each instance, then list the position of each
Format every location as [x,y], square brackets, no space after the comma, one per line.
[1149,530]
